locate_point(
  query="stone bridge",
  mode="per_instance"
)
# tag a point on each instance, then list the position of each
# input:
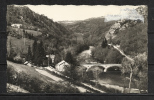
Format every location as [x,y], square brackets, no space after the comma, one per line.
[105,66]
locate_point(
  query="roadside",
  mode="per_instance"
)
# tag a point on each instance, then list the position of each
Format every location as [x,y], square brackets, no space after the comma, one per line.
[15,89]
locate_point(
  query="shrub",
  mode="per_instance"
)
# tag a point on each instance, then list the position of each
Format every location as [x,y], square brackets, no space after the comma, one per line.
[139,70]
[35,85]
[81,47]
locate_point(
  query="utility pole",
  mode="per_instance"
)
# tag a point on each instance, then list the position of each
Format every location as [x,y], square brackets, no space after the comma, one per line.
[48,59]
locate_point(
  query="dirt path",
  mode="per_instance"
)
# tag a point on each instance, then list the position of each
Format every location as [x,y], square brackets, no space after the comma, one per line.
[121,52]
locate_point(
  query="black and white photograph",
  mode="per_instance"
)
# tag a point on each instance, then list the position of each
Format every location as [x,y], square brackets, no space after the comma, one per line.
[77,49]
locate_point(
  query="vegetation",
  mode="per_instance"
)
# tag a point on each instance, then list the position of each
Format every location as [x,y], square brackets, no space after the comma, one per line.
[104,43]
[71,72]
[35,83]
[36,27]
[29,54]
[137,70]
[92,29]
[134,40]
[40,36]
[81,47]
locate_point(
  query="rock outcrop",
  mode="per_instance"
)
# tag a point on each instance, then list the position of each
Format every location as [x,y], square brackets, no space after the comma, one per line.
[125,23]
[120,26]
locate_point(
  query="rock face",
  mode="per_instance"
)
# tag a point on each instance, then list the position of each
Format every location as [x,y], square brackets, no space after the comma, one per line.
[124,23]
[143,10]
[120,26]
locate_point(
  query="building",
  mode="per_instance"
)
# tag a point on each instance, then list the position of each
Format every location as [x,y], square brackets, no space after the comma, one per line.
[16,25]
[62,66]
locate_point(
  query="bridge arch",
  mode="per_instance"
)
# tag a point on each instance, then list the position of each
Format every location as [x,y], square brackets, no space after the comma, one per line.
[105,66]
[112,68]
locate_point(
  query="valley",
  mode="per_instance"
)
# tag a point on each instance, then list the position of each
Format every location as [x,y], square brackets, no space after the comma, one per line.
[84,56]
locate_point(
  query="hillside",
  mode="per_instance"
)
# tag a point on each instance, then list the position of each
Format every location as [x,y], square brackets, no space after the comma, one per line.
[34,23]
[33,40]
[36,27]
[30,79]
[31,20]
[92,29]
[128,35]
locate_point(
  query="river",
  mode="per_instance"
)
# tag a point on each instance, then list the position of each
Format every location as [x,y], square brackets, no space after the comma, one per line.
[114,78]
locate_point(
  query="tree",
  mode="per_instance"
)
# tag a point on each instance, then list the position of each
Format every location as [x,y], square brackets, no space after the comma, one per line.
[128,69]
[24,31]
[69,58]
[29,54]
[104,43]
[36,55]
[137,70]
[100,54]
[11,53]
[34,50]
[110,38]
[113,56]
[39,54]
[141,71]
[41,50]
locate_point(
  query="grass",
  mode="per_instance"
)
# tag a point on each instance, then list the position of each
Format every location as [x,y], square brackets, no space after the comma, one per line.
[32,81]
[78,83]
[18,44]
[35,33]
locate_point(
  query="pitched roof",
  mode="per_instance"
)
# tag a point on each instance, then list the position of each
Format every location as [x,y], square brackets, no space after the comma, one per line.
[63,62]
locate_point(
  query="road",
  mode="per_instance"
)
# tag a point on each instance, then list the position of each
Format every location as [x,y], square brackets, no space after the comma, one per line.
[83,87]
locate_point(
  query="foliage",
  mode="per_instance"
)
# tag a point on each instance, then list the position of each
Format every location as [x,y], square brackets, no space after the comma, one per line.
[38,53]
[100,53]
[106,54]
[114,57]
[11,52]
[29,54]
[35,26]
[133,40]
[34,50]
[81,47]
[139,69]
[36,85]
[104,43]
[71,72]
[69,58]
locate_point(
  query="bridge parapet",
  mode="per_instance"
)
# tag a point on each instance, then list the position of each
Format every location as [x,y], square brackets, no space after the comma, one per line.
[105,66]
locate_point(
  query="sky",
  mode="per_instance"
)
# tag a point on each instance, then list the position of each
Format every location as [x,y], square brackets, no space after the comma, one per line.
[72,12]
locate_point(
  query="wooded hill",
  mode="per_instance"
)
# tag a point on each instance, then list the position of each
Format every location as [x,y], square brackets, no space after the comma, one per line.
[77,36]
[33,21]
[38,27]
[130,35]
